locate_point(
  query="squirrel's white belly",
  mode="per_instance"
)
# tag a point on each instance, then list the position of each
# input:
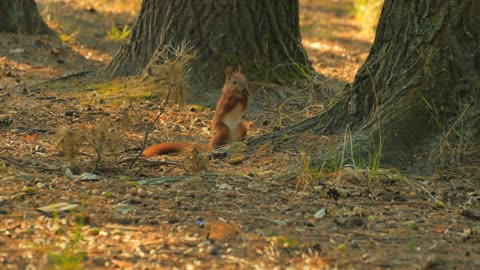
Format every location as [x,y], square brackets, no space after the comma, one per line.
[233,119]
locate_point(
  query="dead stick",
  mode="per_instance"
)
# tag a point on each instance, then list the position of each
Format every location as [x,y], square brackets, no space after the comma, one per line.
[150,127]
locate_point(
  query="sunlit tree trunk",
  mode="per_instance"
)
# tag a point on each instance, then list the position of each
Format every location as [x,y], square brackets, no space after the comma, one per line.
[21,16]
[417,92]
[261,36]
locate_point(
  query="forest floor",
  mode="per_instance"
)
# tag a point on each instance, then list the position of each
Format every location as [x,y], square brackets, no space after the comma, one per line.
[263,208]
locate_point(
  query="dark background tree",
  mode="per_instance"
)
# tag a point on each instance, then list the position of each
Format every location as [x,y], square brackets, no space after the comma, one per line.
[261,36]
[21,16]
[417,93]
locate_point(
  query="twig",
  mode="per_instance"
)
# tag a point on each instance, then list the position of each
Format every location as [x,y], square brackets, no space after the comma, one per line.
[133,107]
[78,74]
[150,127]
[22,165]
[397,203]
[151,162]
[422,187]
[162,180]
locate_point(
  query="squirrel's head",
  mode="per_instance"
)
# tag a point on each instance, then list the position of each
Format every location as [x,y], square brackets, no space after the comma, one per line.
[235,81]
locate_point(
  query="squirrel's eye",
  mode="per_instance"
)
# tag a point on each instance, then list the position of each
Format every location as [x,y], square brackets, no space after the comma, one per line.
[234,82]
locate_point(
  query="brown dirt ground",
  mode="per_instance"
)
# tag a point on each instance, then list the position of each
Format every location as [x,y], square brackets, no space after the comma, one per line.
[270,211]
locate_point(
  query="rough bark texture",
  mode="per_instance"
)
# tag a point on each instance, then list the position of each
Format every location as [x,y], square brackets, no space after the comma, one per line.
[261,36]
[423,49]
[21,16]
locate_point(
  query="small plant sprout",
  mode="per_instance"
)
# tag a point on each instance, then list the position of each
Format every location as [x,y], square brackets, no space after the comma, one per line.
[118,35]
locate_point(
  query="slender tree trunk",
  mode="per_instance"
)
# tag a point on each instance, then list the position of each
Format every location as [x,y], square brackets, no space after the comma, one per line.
[261,36]
[21,16]
[417,93]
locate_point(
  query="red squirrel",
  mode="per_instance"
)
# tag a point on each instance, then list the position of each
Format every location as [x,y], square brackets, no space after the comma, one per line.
[227,122]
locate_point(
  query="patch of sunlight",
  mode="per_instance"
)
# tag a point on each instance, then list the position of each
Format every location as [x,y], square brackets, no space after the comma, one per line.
[323,47]
[91,54]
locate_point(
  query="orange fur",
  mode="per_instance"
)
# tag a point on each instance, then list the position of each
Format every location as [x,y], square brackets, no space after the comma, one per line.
[227,122]
[165,148]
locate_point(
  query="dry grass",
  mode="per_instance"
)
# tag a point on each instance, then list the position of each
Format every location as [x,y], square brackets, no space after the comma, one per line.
[104,137]
[169,68]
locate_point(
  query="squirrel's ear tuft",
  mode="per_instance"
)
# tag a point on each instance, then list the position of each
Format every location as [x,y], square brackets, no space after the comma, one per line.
[239,69]
[229,71]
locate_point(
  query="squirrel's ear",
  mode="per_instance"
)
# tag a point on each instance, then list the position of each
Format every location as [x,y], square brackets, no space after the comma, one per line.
[229,71]
[239,69]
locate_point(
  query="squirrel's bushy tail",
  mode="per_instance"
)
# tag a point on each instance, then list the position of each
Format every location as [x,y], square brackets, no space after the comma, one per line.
[165,148]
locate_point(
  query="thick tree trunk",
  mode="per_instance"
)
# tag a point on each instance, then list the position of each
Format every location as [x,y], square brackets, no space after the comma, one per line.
[261,36]
[21,16]
[417,92]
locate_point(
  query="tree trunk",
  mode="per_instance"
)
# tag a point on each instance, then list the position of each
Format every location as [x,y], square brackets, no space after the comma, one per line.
[261,36]
[417,93]
[21,16]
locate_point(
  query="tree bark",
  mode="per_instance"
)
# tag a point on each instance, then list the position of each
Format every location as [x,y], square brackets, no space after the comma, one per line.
[21,16]
[417,93]
[261,36]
